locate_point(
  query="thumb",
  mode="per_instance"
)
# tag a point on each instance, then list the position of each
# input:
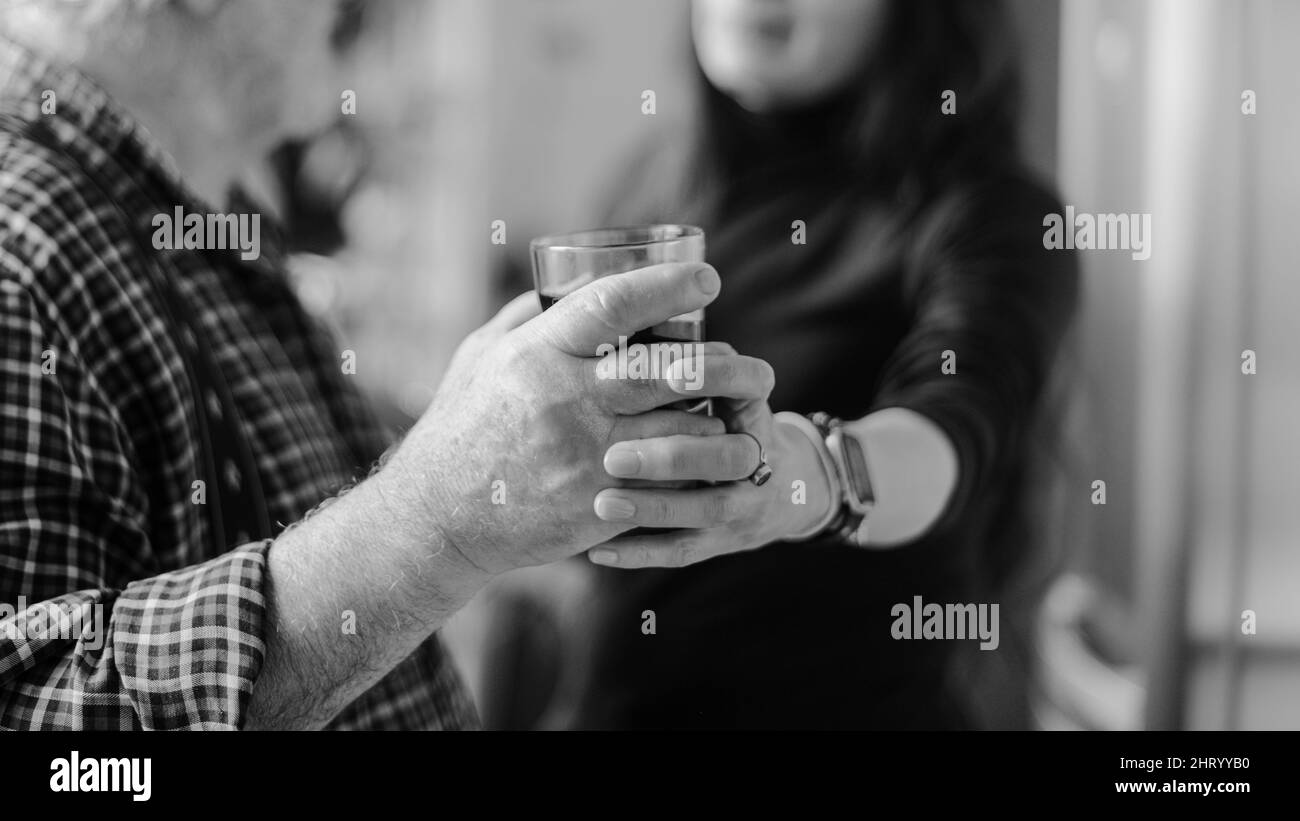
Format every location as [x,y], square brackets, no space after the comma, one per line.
[622,304]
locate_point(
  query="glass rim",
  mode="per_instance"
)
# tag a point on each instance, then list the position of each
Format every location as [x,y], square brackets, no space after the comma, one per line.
[586,240]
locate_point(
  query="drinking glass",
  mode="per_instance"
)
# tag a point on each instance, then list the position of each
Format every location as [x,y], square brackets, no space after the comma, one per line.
[562,263]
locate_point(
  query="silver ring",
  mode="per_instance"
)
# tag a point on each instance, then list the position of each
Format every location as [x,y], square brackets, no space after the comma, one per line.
[764,471]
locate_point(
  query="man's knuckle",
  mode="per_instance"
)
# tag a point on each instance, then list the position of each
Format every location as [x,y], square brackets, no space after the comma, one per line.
[681,461]
[611,305]
[691,549]
[511,351]
[647,389]
[720,508]
[659,509]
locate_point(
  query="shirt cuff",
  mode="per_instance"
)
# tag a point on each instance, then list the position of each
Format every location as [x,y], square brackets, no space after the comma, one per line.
[189,644]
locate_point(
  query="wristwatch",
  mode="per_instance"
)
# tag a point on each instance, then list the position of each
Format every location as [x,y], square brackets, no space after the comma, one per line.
[856,494]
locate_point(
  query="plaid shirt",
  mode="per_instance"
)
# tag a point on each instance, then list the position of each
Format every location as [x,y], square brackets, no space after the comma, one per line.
[97,457]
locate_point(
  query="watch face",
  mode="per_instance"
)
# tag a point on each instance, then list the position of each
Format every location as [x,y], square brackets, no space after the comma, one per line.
[855,463]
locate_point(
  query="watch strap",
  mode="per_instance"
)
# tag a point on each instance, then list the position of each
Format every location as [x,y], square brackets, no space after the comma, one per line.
[815,436]
[848,524]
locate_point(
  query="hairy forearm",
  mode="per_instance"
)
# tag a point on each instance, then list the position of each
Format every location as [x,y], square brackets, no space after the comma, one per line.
[913,468]
[352,591]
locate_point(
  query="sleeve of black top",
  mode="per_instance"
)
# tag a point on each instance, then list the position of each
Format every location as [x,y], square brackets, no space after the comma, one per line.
[978,283]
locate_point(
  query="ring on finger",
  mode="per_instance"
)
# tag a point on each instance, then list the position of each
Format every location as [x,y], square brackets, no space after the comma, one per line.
[764,471]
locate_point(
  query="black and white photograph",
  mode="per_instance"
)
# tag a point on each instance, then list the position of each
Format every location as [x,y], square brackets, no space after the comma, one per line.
[614,369]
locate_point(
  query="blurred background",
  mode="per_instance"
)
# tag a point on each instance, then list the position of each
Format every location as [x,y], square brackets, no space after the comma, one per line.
[491,116]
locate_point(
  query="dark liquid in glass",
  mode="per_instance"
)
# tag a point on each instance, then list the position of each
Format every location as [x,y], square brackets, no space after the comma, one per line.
[674,330]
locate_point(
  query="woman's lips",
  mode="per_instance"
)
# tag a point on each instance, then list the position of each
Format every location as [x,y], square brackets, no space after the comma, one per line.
[767,31]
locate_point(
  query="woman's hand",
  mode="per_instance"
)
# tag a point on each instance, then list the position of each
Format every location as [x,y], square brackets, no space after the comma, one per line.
[729,517]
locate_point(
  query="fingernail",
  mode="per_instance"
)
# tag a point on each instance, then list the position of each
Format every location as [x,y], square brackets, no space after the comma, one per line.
[614,508]
[708,280]
[622,463]
[603,556]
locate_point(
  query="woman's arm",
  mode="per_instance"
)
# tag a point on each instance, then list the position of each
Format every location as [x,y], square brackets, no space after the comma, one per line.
[913,467]
[988,307]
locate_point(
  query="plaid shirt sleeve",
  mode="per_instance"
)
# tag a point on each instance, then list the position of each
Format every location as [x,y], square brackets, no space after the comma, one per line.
[118,608]
[177,650]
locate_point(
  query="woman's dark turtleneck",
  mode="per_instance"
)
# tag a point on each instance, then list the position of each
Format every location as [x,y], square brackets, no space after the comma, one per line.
[753,146]
[853,300]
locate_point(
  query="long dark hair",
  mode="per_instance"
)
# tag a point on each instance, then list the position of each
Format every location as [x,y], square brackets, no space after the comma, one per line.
[888,132]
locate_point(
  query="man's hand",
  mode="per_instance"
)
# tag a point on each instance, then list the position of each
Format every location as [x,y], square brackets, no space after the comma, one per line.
[500,472]
[509,455]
